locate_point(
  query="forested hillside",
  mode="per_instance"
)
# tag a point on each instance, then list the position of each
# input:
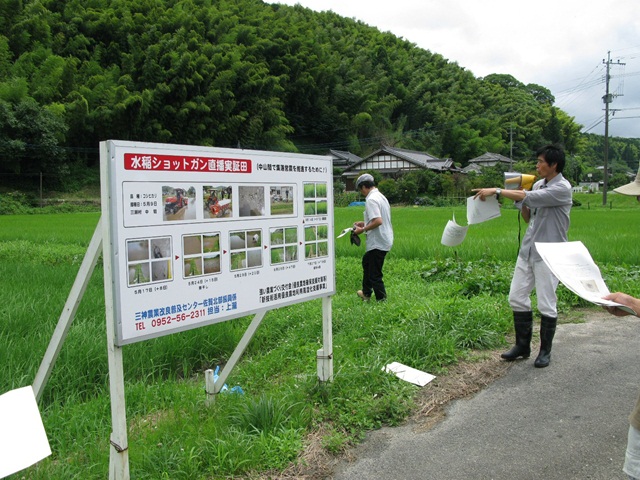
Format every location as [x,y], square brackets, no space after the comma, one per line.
[246,73]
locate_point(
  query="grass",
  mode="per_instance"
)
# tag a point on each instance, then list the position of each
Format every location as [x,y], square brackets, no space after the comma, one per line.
[444,303]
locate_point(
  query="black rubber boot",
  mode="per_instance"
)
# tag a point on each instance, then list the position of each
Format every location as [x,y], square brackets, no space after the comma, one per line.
[547,332]
[523,324]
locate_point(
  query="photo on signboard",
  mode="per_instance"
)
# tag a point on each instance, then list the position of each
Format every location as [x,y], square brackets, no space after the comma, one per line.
[315,199]
[179,202]
[251,200]
[137,250]
[246,249]
[191,245]
[281,200]
[201,254]
[161,259]
[149,260]
[193,266]
[211,253]
[217,201]
[316,241]
[284,244]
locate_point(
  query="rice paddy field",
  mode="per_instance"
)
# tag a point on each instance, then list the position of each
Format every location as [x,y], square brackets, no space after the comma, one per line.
[445,305]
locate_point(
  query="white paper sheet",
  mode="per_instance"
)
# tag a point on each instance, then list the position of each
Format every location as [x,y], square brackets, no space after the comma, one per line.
[572,264]
[408,374]
[479,211]
[344,232]
[453,234]
[23,440]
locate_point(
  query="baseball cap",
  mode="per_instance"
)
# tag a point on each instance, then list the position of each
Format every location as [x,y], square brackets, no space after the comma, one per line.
[365,177]
[632,188]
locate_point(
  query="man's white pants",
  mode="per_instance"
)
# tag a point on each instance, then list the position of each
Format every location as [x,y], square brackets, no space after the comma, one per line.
[527,276]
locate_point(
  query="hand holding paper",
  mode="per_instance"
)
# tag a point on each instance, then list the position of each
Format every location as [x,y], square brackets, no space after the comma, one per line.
[479,211]
[572,264]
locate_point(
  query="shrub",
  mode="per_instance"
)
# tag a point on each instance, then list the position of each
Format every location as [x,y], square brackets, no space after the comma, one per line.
[15,203]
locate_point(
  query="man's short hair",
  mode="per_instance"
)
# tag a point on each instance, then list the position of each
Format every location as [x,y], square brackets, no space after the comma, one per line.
[553,155]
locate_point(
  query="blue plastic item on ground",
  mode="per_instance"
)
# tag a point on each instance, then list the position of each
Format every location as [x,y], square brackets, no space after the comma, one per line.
[356,204]
[225,388]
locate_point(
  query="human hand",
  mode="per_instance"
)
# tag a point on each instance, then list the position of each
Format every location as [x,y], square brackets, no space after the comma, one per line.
[623,299]
[482,193]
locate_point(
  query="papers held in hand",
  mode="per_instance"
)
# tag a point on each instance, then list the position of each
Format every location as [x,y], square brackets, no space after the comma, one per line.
[572,264]
[479,211]
[353,238]
[344,232]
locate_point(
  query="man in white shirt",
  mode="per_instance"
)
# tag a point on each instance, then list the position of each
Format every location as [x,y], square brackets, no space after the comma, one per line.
[379,231]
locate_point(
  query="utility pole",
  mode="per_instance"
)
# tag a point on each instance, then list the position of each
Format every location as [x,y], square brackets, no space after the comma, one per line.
[607,99]
[511,148]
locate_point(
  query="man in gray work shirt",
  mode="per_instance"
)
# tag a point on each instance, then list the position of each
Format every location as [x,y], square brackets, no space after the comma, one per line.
[546,209]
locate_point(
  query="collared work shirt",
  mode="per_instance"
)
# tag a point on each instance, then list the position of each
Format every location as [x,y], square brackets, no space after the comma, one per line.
[376,205]
[550,205]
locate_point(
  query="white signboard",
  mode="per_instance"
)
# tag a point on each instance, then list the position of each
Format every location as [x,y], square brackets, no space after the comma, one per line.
[201,235]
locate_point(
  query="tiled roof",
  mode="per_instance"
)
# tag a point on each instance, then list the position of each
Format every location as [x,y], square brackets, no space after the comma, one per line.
[347,157]
[420,159]
[489,157]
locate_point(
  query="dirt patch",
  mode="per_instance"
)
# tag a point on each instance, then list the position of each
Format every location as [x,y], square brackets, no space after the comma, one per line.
[462,380]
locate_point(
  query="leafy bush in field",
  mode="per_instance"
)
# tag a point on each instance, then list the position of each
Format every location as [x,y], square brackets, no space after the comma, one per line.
[473,278]
[345,198]
[14,203]
[20,203]
[621,278]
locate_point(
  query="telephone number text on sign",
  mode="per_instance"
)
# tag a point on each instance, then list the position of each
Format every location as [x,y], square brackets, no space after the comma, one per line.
[179,163]
[159,322]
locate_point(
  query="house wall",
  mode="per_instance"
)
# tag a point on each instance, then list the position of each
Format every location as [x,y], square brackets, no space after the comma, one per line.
[385,162]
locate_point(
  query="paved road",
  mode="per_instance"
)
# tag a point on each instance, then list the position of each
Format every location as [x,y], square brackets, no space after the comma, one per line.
[564,422]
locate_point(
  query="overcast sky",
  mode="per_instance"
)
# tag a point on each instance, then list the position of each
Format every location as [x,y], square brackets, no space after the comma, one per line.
[559,44]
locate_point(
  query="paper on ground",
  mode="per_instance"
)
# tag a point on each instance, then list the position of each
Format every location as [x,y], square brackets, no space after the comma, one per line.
[479,211]
[453,233]
[572,264]
[23,440]
[408,374]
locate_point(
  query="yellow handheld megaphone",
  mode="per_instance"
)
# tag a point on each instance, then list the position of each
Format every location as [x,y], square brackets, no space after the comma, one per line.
[518,181]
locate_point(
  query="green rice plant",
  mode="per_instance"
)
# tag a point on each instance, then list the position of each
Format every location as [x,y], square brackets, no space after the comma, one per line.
[321,190]
[310,207]
[309,190]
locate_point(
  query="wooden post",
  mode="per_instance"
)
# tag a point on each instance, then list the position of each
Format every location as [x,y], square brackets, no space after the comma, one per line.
[235,356]
[69,311]
[119,447]
[325,354]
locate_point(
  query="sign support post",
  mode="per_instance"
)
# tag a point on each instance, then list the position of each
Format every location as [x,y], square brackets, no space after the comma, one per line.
[69,311]
[325,354]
